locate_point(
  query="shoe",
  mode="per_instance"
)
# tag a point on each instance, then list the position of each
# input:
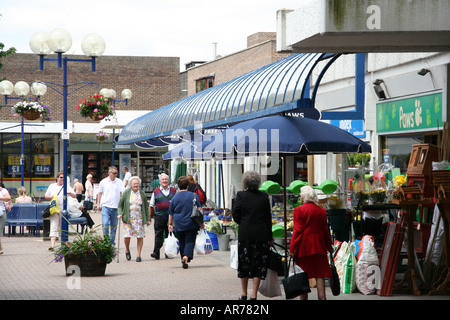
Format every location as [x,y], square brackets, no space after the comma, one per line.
[128,256]
[184,262]
[252,298]
[138,259]
[243,298]
[51,249]
[154,256]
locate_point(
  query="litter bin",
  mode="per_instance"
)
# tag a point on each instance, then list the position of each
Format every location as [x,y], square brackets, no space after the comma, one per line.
[340,224]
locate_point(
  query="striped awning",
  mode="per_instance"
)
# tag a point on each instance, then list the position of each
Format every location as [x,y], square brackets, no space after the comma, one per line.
[276,88]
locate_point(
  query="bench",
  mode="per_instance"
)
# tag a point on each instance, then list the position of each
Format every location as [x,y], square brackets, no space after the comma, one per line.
[30,215]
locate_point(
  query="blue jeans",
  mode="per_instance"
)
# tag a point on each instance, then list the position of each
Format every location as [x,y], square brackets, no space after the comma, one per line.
[109,222]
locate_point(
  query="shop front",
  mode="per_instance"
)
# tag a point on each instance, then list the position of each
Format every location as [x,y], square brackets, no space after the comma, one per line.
[404,122]
[40,161]
[88,155]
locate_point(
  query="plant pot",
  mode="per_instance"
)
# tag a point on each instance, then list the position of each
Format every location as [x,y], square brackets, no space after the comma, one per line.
[89,264]
[97,116]
[31,114]
[340,223]
[101,138]
[224,242]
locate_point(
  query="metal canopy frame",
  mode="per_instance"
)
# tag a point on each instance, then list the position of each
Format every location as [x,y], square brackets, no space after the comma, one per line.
[277,88]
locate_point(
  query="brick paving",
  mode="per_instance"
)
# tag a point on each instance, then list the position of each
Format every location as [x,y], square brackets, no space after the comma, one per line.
[29,273]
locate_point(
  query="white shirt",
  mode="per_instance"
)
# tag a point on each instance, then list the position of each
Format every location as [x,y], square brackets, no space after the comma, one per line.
[89,189]
[110,192]
[127,178]
[54,188]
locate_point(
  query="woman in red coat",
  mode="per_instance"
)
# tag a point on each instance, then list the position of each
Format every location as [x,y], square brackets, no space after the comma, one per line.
[311,240]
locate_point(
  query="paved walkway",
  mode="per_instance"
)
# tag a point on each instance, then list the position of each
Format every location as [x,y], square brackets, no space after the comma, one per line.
[28,273]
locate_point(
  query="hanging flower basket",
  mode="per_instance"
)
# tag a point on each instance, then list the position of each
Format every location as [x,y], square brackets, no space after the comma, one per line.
[97,116]
[31,110]
[31,114]
[102,136]
[96,107]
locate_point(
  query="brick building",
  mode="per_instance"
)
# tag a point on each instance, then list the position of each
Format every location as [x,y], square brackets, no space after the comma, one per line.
[154,82]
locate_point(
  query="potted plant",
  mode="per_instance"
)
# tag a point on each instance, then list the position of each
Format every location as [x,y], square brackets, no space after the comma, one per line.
[378,196]
[215,226]
[31,110]
[96,107]
[89,251]
[102,136]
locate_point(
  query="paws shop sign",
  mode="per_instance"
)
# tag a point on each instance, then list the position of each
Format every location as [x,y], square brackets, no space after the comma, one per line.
[413,114]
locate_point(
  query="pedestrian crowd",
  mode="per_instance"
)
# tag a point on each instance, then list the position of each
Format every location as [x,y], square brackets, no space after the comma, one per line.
[170,209]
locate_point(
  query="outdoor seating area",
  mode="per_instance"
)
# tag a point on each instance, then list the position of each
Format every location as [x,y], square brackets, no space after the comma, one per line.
[29,215]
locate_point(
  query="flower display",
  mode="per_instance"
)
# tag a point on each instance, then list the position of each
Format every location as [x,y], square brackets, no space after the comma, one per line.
[23,106]
[378,195]
[96,107]
[214,226]
[86,243]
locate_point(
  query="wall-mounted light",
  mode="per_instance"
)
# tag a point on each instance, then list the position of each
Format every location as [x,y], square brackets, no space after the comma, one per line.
[423,72]
[379,90]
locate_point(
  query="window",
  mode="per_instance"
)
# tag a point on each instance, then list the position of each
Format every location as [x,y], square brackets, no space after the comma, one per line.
[204,83]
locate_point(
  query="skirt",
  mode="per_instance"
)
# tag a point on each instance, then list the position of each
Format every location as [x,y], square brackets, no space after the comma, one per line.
[252,259]
[316,266]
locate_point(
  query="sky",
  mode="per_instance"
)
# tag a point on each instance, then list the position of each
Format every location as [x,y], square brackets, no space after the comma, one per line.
[169,28]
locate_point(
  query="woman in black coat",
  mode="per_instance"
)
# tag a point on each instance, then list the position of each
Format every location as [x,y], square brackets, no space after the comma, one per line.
[251,211]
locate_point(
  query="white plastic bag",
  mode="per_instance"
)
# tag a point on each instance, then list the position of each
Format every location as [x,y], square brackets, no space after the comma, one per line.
[270,287]
[234,255]
[171,246]
[203,244]
[366,278]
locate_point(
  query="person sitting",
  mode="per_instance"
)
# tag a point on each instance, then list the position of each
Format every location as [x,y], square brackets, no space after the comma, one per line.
[22,198]
[76,210]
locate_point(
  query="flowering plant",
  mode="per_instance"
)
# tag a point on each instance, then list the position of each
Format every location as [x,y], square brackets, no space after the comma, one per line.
[214,226]
[102,135]
[24,105]
[99,105]
[87,243]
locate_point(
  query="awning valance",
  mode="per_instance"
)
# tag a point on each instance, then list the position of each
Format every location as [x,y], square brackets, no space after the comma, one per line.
[275,88]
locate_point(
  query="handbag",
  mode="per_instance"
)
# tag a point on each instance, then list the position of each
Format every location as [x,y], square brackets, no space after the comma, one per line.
[196,215]
[296,284]
[334,280]
[88,205]
[275,261]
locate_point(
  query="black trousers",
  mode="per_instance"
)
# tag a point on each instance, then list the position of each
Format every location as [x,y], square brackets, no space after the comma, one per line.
[161,232]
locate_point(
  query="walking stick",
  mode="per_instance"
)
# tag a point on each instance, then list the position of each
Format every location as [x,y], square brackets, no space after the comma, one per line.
[118,242]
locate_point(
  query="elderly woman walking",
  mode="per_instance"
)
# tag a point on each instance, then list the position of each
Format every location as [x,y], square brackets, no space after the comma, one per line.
[311,240]
[134,212]
[252,212]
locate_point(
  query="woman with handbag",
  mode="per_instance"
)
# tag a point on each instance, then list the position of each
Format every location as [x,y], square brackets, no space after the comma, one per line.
[55,218]
[251,211]
[311,240]
[180,210]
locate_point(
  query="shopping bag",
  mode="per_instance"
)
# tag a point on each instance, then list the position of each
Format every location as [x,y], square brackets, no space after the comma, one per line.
[203,244]
[270,287]
[171,246]
[54,205]
[234,255]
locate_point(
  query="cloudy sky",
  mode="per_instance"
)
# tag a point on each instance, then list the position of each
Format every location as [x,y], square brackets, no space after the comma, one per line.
[174,28]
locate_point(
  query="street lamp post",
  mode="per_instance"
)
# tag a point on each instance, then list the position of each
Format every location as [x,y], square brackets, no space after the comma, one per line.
[111,93]
[60,41]
[21,88]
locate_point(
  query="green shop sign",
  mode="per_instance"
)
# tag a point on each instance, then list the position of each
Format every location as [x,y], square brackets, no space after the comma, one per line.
[412,114]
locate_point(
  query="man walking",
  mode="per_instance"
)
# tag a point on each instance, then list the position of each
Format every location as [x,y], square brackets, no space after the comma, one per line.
[159,209]
[108,197]
[127,176]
